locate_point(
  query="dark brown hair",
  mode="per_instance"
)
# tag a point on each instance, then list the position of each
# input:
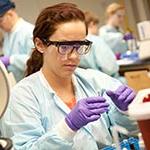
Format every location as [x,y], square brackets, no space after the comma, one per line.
[91,17]
[46,24]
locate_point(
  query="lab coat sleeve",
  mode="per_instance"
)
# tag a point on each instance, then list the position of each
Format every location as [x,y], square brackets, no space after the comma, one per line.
[23,123]
[104,82]
[114,39]
[111,36]
[120,118]
[116,116]
[105,58]
[19,60]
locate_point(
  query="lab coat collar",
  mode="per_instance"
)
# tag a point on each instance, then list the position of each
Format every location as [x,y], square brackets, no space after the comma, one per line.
[114,28]
[89,35]
[59,103]
[19,21]
[45,82]
[47,86]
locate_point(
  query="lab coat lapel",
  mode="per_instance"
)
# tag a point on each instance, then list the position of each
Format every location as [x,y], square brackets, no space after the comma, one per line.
[61,105]
[101,125]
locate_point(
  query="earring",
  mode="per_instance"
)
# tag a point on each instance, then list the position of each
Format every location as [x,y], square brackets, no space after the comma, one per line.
[41,51]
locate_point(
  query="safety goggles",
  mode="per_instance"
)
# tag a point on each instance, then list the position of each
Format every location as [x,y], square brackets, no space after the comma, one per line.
[67,47]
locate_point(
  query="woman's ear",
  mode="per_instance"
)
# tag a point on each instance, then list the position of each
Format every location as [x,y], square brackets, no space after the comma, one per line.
[39,45]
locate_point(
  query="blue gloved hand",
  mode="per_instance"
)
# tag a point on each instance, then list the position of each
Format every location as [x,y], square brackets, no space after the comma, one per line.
[85,111]
[5,60]
[122,97]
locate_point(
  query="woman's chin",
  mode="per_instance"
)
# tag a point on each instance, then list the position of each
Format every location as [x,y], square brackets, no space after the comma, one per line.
[67,73]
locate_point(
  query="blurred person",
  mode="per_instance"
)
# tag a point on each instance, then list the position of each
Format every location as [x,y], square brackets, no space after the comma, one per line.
[57,105]
[18,42]
[100,56]
[92,20]
[112,32]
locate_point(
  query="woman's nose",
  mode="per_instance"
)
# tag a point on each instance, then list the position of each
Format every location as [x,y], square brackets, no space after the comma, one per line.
[73,55]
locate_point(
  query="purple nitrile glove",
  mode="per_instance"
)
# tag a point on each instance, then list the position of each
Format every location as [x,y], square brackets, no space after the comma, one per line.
[85,111]
[122,97]
[5,60]
[128,36]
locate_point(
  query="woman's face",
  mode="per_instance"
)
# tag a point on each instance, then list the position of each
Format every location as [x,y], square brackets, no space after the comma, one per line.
[118,18]
[64,65]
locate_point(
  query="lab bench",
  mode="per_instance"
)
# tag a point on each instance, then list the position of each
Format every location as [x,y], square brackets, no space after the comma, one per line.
[133,66]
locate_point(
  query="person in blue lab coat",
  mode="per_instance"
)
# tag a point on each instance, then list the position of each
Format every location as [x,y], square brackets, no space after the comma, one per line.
[59,106]
[101,56]
[112,32]
[18,42]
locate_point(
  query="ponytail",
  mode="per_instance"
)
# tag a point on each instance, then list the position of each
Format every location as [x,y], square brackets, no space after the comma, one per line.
[34,63]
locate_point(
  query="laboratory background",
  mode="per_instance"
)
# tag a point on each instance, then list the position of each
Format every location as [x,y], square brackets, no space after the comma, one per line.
[74,74]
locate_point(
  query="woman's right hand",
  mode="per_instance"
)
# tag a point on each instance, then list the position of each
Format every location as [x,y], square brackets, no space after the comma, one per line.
[85,111]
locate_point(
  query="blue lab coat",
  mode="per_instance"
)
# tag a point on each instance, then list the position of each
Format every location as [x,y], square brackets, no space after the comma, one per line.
[114,38]
[35,111]
[18,45]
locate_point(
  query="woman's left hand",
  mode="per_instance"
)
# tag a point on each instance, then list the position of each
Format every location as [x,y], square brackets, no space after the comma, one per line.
[122,97]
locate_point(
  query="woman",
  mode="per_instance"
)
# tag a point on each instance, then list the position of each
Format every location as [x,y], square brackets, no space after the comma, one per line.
[111,32]
[57,106]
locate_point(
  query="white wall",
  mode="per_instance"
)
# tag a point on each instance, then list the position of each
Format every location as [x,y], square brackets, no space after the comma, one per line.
[30,9]
[136,9]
